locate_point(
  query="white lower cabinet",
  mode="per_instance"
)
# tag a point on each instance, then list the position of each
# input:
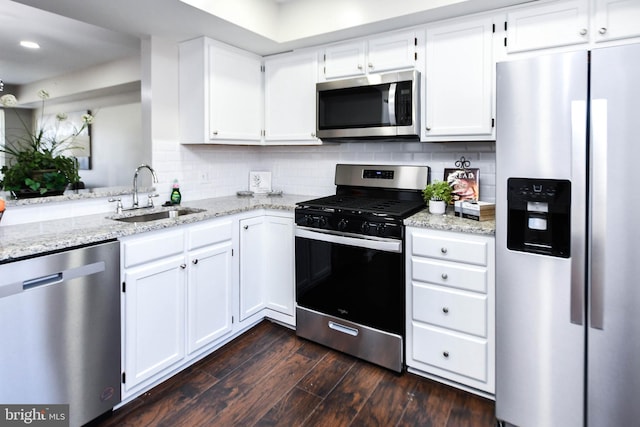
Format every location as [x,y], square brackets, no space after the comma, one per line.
[185,291]
[267,267]
[177,290]
[451,308]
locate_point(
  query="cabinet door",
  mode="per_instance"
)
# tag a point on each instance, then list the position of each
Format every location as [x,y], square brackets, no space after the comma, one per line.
[252,266]
[392,52]
[154,307]
[209,291]
[554,24]
[344,60]
[279,248]
[616,19]
[235,94]
[459,80]
[290,97]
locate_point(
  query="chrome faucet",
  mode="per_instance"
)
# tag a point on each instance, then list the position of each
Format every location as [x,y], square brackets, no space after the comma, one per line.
[135,183]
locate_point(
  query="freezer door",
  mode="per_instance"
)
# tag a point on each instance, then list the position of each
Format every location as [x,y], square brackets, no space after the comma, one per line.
[540,335]
[614,326]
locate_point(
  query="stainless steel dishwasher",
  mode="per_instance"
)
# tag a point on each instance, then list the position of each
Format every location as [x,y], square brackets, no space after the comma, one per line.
[60,331]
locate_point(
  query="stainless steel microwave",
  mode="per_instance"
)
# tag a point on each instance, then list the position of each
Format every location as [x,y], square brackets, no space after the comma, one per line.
[384,106]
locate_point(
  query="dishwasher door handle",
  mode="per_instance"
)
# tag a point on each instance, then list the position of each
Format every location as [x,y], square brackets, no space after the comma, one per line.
[42,281]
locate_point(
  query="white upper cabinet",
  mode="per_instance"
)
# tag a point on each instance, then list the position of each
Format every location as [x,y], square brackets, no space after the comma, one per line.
[547,25]
[220,94]
[459,90]
[385,53]
[290,97]
[616,19]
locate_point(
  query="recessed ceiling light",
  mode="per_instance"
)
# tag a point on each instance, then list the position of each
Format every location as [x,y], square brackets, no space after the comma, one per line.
[29,45]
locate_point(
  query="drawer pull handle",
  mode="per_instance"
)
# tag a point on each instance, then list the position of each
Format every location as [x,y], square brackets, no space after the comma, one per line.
[195,261]
[444,276]
[443,250]
[445,354]
[445,310]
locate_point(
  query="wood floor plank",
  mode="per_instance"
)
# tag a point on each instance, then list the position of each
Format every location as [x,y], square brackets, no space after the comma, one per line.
[292,410]
[345,401]
[429,406]
[387,404]
[473,411]
[327,374]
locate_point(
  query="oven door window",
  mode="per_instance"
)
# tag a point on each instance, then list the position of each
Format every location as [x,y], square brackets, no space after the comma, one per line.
[358,284]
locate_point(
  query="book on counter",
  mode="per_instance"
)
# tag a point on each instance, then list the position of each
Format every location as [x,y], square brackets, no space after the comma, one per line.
[476,210]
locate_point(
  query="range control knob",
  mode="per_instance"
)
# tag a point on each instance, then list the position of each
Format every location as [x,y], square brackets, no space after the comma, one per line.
[322,221]
[365,227]
[342,224]
[307,220]
[380,229]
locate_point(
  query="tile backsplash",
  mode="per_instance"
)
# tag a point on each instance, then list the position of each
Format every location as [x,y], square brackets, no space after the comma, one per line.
[213,171]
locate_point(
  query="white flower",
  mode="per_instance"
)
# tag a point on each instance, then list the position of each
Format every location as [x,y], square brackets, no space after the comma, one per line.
[8,100]
[43,94]
[87,118]
[61,117]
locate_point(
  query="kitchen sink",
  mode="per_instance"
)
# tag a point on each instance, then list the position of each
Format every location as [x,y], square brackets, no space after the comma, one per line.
[154,216]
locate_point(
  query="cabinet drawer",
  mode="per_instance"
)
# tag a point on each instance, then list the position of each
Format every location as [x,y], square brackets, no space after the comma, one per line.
[209,233]
[449,274]
[450,249]
[151,248]
[450,309]
[453,352]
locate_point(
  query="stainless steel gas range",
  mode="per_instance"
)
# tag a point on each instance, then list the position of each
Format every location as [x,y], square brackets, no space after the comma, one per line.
[350,263]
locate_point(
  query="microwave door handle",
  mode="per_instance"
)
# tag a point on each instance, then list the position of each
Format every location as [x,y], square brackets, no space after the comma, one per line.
[392,104]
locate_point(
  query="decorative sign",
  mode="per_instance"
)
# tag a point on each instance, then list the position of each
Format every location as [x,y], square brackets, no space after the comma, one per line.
[260,182]
[464,181]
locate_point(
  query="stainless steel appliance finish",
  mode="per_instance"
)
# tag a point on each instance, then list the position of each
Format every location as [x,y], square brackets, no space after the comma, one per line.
[60,331]
[383,106]
[567,326]
[350,262]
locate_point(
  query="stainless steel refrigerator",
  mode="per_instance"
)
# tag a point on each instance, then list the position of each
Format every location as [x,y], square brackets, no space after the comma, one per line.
[567,239]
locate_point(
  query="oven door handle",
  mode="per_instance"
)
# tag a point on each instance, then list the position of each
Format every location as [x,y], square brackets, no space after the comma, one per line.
[380,245]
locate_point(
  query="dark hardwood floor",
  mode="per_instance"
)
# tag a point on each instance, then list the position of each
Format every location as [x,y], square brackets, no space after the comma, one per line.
[270,377]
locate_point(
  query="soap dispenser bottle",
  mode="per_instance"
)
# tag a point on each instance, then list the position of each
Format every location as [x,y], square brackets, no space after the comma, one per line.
[175,193]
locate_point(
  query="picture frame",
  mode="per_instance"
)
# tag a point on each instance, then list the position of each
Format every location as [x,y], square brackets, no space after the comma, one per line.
[465,183]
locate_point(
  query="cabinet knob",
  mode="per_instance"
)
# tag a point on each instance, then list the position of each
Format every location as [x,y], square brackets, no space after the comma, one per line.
[246,227]
[215,133]
[313,134]
[183,266]
[444,276]
[359,66]
[445,354]
[445,310]
[583,32]
[195,261]
[443,250]
[370,65]
[428,128]
[602,30]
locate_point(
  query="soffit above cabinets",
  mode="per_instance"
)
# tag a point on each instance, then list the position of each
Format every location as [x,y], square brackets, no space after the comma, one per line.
[263,26]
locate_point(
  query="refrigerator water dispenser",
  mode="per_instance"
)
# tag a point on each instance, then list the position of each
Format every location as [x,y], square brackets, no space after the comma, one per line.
[539,216]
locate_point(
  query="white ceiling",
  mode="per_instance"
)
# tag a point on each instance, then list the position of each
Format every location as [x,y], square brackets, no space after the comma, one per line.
[79,33]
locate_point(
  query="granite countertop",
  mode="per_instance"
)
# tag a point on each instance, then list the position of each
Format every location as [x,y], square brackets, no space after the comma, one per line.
[449,222]
[69,195]
[25,240]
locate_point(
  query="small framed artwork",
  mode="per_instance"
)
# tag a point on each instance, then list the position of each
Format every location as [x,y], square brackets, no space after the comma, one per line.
[465,183]
[259,182]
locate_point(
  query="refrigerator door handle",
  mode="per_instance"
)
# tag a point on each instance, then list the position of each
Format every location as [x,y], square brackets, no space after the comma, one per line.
[578,205]
[598,220]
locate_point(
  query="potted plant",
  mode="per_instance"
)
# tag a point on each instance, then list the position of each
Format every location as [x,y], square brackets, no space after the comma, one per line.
[36,162]
[437,196]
